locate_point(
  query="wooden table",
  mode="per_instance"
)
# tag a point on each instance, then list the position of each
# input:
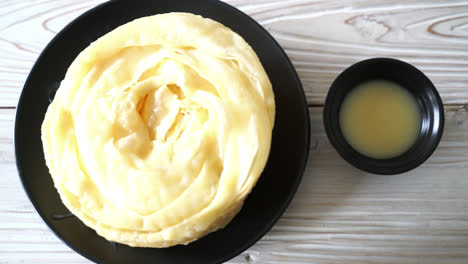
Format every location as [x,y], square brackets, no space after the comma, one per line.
[340,214]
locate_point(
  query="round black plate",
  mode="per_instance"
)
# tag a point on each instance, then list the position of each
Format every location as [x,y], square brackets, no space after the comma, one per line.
[264,205]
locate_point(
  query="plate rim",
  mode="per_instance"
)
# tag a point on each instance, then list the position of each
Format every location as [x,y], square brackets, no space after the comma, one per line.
[251,241]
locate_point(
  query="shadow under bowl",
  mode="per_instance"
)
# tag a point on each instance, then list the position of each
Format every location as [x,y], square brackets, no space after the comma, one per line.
[410,78]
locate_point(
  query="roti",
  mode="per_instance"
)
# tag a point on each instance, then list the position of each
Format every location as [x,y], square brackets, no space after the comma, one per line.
[159,130]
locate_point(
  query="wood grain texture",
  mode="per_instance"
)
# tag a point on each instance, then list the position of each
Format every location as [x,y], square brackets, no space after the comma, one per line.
[322,38]
[339,215]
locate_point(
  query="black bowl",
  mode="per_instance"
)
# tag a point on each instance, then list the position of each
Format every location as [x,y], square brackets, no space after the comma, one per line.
[268,200]
[416,83]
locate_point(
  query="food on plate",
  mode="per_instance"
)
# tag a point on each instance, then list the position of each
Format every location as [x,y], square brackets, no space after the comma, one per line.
[159,130]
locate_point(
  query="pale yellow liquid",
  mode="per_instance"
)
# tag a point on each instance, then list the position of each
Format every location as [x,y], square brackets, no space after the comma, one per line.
[380,119]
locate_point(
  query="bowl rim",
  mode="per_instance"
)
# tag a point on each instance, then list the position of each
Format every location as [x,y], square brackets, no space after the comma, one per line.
[377,169]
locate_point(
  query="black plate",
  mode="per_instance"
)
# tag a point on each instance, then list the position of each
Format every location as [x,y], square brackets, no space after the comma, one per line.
[264,205]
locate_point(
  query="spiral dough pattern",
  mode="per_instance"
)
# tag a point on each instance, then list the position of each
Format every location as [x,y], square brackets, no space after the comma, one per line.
[160,130]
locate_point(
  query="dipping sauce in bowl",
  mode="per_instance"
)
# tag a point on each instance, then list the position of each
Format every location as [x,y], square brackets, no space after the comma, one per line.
[383,116]
[380,119]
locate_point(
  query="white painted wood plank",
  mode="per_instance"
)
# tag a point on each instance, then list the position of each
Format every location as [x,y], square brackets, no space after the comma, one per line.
[339,215]
[321,37]
[25,29]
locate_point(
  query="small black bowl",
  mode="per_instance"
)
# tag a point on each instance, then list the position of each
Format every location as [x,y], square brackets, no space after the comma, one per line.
[430,104]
